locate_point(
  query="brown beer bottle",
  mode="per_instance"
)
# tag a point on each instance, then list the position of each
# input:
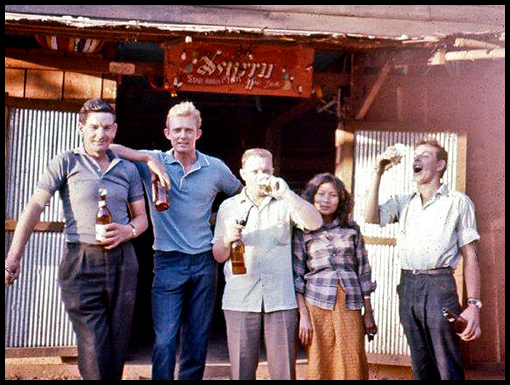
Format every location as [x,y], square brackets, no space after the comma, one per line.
[103,216]
[457,323]
[159,196]
[237,255]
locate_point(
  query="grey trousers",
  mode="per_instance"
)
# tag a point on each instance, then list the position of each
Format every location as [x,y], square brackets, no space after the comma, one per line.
[99,291]
[244,332]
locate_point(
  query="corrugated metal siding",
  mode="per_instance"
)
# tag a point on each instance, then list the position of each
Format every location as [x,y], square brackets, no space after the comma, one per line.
[383,259]
[34,313]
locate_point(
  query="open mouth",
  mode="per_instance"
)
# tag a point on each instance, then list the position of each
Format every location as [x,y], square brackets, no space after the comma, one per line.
[417,168]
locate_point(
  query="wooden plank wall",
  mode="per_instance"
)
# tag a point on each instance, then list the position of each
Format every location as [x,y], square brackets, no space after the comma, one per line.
[41,77]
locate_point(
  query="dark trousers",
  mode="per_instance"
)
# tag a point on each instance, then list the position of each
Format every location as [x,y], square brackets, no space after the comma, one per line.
[183,295]
[435,351]
[99,291]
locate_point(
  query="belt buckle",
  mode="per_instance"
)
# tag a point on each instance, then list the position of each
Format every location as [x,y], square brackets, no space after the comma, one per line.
[415,271]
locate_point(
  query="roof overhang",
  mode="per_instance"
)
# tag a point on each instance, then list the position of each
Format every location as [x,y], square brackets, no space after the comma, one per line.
[353,28]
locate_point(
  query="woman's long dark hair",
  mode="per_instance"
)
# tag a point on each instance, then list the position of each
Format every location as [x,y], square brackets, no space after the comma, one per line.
[345,203]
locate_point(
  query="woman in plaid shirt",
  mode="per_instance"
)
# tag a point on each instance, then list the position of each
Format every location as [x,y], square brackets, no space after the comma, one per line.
[333,283]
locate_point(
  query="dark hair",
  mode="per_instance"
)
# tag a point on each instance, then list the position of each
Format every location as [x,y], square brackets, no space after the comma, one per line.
[441,152]
[94,105]
[345,202]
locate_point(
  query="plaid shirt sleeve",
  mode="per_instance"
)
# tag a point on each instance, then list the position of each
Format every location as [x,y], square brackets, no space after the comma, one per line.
[364,270]
[299,260]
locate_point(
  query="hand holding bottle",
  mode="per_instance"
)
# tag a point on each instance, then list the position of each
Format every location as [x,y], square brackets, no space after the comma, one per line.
[159,172]
[233,231]
[472,331]
[115,234]
[389,158]
[234,239]
[274,186]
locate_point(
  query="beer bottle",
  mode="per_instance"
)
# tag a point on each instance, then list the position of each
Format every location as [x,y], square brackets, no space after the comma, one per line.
[393,155]
[103,216]
[457,323]
[267,188]
[237,255]
[159,196]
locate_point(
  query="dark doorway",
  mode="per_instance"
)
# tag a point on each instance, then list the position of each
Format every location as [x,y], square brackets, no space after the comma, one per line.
[231,125]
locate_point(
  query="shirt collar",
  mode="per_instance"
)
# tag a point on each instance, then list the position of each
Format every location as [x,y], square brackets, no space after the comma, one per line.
[442,190]
[245,200]
[332,225]
[81,151]
[202,160]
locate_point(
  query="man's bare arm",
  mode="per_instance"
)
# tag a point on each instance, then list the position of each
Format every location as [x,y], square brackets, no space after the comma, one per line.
[155,167]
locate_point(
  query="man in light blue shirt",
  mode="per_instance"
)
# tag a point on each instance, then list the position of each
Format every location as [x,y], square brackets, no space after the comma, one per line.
[185,272]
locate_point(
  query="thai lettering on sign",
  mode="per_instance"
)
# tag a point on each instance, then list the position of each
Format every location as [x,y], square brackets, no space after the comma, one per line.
[261,70]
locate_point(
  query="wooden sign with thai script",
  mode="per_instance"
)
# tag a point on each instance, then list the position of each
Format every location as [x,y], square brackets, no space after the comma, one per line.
[239,69]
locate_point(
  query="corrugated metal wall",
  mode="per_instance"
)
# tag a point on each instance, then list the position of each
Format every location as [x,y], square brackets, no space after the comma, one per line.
[34,313]
[385,264]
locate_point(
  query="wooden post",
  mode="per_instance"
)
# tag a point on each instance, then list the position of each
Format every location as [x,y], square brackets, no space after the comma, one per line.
[381,77]
[461,186]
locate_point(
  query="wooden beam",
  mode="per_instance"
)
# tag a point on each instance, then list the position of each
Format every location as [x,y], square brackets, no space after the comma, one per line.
[381,77]
[54,227]
[440,57]
[56,351]
[389,359]
[476,54]
[380,241]
[470,43]
[85,64]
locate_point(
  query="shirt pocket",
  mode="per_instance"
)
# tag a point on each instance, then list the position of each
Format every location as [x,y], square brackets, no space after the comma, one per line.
[281,233]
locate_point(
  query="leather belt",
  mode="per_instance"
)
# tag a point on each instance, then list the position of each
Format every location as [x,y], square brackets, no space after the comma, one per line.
[441,270]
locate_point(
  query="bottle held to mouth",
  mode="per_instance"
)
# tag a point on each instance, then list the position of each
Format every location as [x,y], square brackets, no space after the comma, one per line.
[393,155]
[268,188]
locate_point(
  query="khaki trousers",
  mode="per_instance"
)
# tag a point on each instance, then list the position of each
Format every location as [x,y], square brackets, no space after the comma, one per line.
[244,332]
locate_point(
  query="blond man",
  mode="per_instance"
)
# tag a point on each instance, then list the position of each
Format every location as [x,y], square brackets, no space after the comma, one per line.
[184,286]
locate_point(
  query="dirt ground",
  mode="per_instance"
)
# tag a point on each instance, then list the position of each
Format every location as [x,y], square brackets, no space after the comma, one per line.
[16,369]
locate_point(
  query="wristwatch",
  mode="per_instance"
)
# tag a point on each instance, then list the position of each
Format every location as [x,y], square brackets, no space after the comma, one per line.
[474,301]
[133,229]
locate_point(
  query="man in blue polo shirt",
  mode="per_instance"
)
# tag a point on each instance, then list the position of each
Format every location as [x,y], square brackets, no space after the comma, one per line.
[185,271]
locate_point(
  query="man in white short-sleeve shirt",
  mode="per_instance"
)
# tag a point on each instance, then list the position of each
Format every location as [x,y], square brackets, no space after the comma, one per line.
[436,226]
[263,297]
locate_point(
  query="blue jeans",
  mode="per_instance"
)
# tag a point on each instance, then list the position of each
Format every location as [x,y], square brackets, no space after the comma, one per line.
[183,295]
[435,350]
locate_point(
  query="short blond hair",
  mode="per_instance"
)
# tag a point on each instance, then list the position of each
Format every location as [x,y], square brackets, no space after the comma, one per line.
[260,152]
[184,109]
